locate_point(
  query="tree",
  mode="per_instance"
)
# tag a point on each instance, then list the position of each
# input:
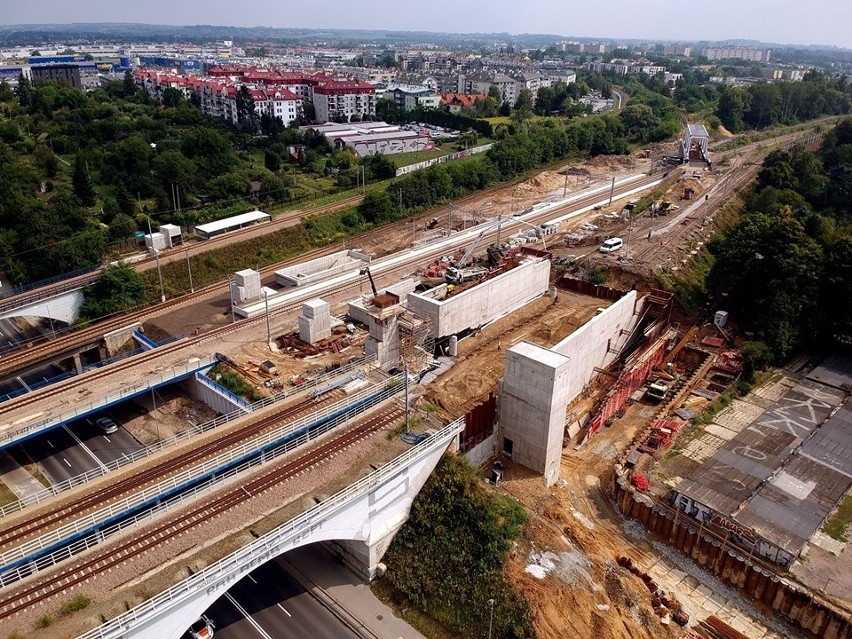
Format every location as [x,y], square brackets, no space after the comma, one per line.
[82,182]
[129,84]
[731,108]
[122,227]
[271,160]
[172,97]
[246,115]
[639,121]
[118,288]
[377,207]
[767,272]
[524,103]
[25,97]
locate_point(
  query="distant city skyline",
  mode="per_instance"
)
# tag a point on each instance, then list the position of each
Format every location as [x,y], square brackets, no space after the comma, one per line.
[774,21]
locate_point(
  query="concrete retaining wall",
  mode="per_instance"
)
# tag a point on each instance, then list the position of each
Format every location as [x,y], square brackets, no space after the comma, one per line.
[485,302]
[322,268]
[206,391]
[598,342]
[539,383]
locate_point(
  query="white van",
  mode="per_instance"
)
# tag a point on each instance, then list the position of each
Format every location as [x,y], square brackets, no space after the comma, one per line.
[612,244]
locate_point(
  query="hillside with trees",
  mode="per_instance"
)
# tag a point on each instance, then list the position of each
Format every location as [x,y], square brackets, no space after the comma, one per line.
[784,270]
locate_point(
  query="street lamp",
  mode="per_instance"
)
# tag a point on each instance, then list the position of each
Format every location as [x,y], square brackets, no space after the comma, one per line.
[490,617]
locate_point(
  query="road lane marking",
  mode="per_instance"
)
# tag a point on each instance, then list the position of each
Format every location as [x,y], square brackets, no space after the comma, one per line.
[245,614]
[253,580]
[285,610]
[66,461]
[86,448]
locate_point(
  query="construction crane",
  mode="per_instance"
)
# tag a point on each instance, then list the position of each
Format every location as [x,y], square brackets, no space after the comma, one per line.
[366,271]
[461,263]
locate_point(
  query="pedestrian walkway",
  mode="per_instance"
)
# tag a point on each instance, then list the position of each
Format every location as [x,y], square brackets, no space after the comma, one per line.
[321,574]
[17,479]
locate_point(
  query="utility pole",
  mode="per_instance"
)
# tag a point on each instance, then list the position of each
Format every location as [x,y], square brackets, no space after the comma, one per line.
[490,617]
[611,191]
[565,188]
[499,223]
[189,270]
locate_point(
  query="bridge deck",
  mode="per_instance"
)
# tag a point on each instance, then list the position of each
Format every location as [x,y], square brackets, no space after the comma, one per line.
[27,414]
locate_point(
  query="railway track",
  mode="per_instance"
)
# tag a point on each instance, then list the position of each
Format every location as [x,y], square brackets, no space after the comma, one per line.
[76,506]
[43,351]
[176,524]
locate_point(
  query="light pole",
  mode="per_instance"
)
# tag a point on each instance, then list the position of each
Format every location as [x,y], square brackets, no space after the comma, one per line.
[490,617]
[611,191]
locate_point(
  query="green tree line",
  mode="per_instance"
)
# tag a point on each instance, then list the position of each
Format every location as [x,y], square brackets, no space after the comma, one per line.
[784,269]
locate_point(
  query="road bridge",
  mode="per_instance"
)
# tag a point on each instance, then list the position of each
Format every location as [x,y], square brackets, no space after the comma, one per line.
[362,519]
[61,307]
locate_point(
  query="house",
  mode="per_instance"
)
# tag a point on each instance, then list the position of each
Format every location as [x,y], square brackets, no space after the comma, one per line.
[458,102]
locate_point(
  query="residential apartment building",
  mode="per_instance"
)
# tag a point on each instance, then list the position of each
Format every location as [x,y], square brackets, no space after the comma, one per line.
[742,53]
[344,98]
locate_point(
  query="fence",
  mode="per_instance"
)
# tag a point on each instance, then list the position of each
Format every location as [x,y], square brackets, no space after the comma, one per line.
[411,168]
[263,548]
[92,529]
[195,431]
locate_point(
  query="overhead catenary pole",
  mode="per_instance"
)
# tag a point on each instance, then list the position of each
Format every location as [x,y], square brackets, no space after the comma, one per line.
[231,297]
[189,270]
[565,188]
[611,191]
[268,329]
[160,275]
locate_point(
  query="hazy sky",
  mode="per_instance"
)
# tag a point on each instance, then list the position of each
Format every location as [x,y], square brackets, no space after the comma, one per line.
[784,21]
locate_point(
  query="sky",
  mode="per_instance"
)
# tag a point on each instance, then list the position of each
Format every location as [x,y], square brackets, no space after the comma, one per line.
[781,21]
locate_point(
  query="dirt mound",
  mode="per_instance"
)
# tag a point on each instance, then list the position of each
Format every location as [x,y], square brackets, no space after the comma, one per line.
[541,184]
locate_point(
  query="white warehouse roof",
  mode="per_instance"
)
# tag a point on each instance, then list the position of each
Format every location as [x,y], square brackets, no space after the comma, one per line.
[229,222]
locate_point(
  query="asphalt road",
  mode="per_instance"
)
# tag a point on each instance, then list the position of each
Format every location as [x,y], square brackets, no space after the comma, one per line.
[270,604]
[74,449]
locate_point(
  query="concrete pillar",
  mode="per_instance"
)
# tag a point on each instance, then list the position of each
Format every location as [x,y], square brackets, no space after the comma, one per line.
[78,363]
[533,395]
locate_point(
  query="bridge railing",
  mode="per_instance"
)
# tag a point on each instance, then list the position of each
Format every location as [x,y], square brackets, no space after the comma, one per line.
[93,528]
[45,282]
[112,398]
[269,545]
[195,431]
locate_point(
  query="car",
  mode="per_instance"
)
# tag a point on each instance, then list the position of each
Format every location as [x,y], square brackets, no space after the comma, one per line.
[611,245]
[201,629]
[107,425]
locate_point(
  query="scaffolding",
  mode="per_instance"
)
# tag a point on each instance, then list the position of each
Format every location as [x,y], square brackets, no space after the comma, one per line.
[416,340]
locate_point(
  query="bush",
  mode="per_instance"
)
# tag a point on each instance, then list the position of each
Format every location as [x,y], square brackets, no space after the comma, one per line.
[45,621]
[79,602]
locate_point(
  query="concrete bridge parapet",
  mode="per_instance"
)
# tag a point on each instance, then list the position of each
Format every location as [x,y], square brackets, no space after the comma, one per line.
[365,515]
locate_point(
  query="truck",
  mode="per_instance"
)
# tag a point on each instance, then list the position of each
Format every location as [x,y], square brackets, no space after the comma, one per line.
[461,275]
[658,389]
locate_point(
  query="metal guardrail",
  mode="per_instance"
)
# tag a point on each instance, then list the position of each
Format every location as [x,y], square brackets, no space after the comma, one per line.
[45,282]
[147,451]
[215,386]
[124,393]
[269,545]
[92,529]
